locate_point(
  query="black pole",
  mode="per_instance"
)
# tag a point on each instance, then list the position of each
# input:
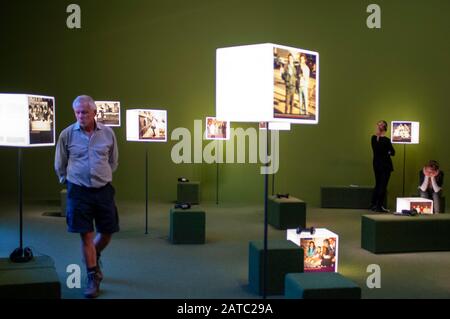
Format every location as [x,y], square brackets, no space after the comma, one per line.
[146,191]
[266,193]
[19,173]
[217,174]
[404,165]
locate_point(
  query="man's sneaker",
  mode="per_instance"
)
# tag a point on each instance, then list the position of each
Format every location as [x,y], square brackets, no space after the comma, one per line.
[93,285]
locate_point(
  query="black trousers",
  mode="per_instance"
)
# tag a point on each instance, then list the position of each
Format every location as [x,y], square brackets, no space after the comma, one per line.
[381,183]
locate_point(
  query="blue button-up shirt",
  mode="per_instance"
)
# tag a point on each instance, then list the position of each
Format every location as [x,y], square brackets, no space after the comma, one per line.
[86,161]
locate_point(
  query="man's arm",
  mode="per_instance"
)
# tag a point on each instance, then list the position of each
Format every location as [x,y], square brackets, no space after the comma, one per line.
[437,182]
[391,149]
[423,181]
[114,154]
[61,158]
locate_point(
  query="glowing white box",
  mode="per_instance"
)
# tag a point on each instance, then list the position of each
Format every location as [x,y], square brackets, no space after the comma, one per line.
[314,260]
[422,205]
[252,81]
[27,120]
[145,125]
[405,132]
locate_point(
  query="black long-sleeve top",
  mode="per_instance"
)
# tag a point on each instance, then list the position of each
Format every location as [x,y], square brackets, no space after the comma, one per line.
[382,152]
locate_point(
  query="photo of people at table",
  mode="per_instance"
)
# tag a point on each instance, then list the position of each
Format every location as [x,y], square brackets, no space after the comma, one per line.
[320,254]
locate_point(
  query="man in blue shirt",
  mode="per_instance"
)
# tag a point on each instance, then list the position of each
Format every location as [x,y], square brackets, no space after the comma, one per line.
[86,156]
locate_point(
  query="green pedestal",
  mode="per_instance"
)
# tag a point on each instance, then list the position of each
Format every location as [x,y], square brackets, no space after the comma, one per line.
[187,226]
[63,196]
[283,257]
[188,192]
[394,234]
[324,285]
[346,197]
[36,279]
[286,213]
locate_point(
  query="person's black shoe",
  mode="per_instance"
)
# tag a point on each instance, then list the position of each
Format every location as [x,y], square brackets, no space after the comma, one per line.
[382,210]
[373,208]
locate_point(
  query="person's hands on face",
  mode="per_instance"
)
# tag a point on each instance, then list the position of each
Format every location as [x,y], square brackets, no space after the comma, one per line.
[435,173]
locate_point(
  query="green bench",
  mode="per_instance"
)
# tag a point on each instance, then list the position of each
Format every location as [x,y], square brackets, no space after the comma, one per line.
[188,192]
[187,226]
[352,197]
[283,257]
[36,279]
[286,213]
[387,233]
[325,285]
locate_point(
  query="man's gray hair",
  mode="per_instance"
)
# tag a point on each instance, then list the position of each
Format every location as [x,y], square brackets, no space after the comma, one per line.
[83,99]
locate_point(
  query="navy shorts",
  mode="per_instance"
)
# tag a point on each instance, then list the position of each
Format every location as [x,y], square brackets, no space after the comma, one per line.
[87,205]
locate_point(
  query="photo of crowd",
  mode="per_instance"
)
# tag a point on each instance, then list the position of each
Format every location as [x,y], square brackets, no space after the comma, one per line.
[217,130]
[320,254]
[295,86]
[108,113]
[422,207]
[41,119]
[401,132]
[152,125]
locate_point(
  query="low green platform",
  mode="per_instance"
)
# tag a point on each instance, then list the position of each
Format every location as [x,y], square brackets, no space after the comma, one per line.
[386,233]
[36,279]
[358,197]
[286,213]
[188,192]
[325,285]
[187,226]
[283,257]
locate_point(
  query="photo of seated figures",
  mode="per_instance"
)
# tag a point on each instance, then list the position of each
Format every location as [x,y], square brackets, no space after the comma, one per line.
[422,207]
[108,113]
[41,116]
[295,84]
[320,254]
[217,130]
[152,125]
[401,132]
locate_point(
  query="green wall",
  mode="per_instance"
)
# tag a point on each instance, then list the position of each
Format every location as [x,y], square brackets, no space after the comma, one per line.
[161,54]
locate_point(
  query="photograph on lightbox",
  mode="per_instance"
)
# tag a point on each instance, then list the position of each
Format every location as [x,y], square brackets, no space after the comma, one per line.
[295,84]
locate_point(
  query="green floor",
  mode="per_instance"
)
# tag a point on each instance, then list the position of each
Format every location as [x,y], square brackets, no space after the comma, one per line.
[148,266]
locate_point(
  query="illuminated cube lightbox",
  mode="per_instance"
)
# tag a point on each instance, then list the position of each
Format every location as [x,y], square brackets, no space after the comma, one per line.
[27,120]
[267,83]
[144,125]
[405,132]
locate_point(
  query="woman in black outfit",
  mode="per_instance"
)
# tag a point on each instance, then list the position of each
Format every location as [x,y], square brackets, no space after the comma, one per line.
[382,166]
